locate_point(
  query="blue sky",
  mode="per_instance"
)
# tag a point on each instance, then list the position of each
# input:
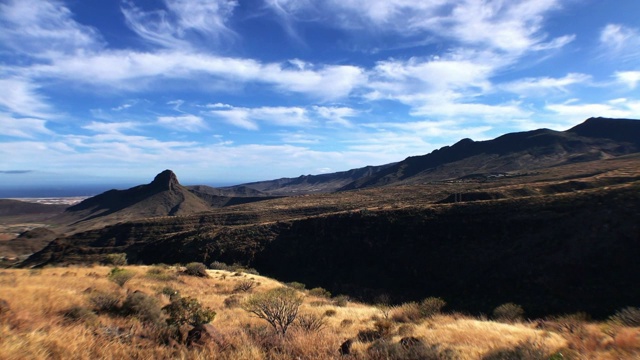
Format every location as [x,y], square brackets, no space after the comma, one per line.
[225,91]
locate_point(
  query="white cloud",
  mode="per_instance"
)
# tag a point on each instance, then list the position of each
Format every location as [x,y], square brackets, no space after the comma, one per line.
[172,27]
[576,111]
[543,85]
[42,28]
[132,70]
[190,123]
[111,127]
[509,26]
[22,127]
[620,42]
[21,96]
[248,118]
[628,78]
[336,115]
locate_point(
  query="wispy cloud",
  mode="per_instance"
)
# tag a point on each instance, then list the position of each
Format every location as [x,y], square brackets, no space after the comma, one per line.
[23,127]
[631,79]
[620,42]
[543,85]
[42,28]
[111,127]
[175,25]
[21,96]
[248,118]
[190,123]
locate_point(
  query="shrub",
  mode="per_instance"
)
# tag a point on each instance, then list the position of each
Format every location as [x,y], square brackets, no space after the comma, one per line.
[142,306]
[382,329]
[330,312]
[346,323]
[629,316]
[160,274]
[279,307]
[105,302]
[406,349]
[431,306]
[296,285]
[120,276]
[524,350]
[170,292]
[196,269]
[118,259]
[244,286]
[341,300]
[320,292]
[508,312]
[310,322]
[79,313]
[217,265]
[406,313]
[189,311]
[232,302]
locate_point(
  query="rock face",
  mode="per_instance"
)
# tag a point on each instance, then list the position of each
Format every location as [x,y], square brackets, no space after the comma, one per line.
[165,181]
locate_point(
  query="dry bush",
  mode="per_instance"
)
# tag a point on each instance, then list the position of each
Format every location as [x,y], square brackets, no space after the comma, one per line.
[310,322]
[340,300]
[330,312]
[407,313]
[508,312]
[232,301]
[431,306]
[406,349]
[279,307]
[105,302]
[629,316]
[142,306]
[244,286]
[117,259]
[196,269]
[79,314]
[296,285]
[320,292]
[526,350]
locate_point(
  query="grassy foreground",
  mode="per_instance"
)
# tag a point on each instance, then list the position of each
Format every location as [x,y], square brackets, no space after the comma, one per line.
[54,313]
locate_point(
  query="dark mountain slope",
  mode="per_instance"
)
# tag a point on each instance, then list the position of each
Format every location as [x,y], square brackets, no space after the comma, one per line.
[311,184]
[164,196]
[10,207]
[535,251]
[596,138]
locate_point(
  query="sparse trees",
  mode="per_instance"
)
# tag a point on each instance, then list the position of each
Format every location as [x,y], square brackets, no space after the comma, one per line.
[279,307]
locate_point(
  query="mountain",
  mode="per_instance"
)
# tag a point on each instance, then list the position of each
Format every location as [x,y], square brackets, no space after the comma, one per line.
[164,196]
[596,138]
[309,184]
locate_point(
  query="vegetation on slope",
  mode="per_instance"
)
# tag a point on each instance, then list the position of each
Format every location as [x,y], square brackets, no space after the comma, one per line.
[77,312]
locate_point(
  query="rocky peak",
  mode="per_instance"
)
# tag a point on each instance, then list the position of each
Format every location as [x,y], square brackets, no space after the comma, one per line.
[166,180]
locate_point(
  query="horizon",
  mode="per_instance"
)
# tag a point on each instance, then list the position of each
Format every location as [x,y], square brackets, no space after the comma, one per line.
[229,92]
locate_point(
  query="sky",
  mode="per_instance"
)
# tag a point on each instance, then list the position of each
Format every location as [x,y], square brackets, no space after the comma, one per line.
[232,91]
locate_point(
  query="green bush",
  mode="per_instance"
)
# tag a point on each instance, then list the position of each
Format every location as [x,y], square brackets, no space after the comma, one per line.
[196,269]
[279,307]
[340,300]
[508,312]
[120,276]
[629,316]
[188,311]
[170,292]
[142,306]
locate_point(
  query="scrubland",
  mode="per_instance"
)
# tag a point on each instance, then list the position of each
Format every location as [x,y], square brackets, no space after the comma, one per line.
[82,313]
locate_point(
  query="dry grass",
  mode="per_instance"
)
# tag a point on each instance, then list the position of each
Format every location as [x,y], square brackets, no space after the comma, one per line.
[36,328]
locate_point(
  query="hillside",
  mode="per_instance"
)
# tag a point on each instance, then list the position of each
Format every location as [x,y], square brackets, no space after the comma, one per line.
[519,238]
[80,313]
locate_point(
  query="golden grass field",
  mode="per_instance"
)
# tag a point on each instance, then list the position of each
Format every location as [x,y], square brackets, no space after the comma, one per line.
[34,326]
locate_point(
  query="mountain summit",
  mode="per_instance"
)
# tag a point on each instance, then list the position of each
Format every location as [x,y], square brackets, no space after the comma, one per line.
[166,180]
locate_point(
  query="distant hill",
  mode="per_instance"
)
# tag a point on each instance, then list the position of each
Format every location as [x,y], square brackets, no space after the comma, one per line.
[9,207]
[596,138]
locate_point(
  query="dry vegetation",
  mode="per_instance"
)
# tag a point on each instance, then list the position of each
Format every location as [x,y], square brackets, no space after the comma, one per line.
[51,314]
